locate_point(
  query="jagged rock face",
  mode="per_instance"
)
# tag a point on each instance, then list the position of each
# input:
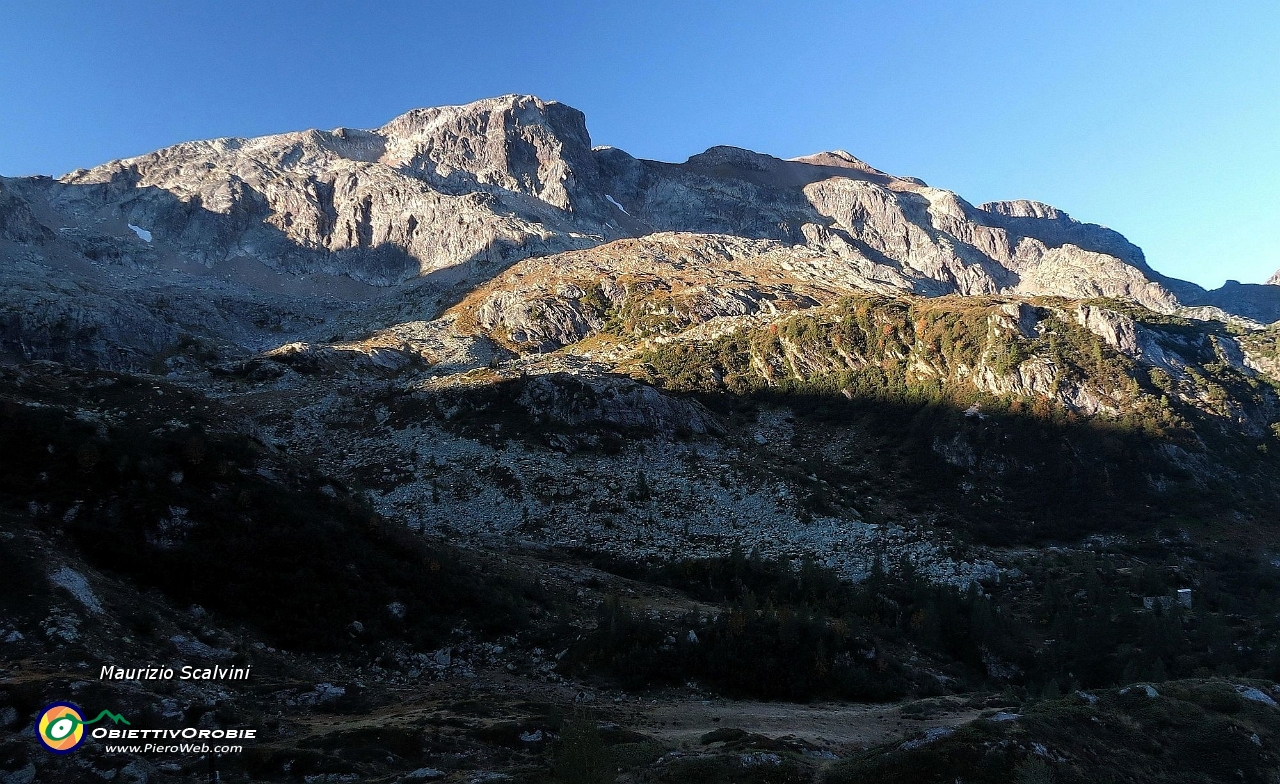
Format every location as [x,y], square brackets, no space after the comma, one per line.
[1274,280]
[518,144]
[488,182]
[1055,228]
[1075,273]
[902,233]
[72,323]
[1124,334]
[17,223]
[1038,378]
[1189,357]
[723,191]
[1172,352]
[1004,247]
[926,232]
[905,234]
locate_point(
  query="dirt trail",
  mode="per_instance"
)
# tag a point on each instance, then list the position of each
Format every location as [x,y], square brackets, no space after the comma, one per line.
[830,725]
[675,721]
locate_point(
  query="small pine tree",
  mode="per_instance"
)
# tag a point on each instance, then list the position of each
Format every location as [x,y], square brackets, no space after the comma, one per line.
[1033,770]
[582,757]
[1051,690]
[1130,672]
[1159,673]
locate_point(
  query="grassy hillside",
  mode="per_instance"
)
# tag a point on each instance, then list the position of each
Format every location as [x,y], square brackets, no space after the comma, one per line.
[1015,457]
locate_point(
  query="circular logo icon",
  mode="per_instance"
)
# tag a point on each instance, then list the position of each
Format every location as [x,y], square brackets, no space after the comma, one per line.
[60,727]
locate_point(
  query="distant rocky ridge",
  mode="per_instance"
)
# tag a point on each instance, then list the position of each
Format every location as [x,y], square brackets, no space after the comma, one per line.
[450,196]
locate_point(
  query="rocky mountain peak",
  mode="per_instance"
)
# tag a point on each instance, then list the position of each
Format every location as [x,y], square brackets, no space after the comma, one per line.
[840,159]
[1024,208]
[736,157]
[516,142]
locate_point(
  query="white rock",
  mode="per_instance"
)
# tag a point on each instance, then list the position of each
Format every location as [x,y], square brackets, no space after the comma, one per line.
[76,584]
[1256,695]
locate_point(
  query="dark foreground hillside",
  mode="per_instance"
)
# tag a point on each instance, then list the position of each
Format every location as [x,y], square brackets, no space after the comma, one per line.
[142,522]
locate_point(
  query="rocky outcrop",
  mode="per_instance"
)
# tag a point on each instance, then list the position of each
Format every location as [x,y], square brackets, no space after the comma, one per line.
[581,401]
[310,358]
[924,233]
[1171,351]
[1117,329]
[1076,273]
[1041,377]
[17,223]
[73,323]
[655,285]
[545,323]
[1056,228]
[1263,363]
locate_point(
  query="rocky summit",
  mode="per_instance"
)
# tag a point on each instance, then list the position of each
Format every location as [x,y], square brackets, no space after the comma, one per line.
[495,454]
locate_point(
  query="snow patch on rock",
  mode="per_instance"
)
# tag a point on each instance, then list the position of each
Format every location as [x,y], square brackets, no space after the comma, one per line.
[615,203]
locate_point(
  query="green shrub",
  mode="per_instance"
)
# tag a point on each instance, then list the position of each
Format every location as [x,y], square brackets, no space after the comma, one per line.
[581,757]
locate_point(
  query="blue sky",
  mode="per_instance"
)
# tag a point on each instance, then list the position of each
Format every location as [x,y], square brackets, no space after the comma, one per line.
[1159,119]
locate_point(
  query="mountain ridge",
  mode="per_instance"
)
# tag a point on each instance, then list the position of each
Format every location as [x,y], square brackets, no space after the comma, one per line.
[310,236]
[522,175]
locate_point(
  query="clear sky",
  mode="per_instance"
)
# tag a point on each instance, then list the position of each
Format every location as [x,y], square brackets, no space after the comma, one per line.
[1159,119]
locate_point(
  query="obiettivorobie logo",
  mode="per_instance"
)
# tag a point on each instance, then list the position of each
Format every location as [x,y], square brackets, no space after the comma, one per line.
[60,727]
